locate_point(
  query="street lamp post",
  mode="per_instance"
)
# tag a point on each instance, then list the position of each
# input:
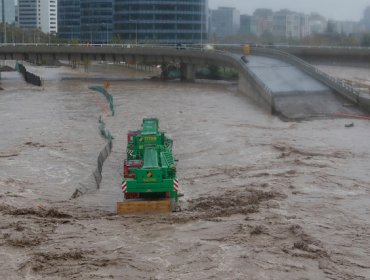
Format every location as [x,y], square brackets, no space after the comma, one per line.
[107,34]
[4,20]
[136,32]
[90,28]
[201,26]
[107,37]
[135,21]
[5,39]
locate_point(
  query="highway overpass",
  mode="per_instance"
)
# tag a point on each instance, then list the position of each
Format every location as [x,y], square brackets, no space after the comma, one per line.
[297,76]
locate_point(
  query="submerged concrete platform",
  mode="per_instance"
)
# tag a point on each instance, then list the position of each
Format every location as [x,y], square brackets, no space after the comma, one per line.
[293,93]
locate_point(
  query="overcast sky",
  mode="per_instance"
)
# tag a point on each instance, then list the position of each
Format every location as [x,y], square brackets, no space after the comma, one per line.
[331,9]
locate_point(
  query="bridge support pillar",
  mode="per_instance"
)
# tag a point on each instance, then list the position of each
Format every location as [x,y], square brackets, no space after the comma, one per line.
[187,72]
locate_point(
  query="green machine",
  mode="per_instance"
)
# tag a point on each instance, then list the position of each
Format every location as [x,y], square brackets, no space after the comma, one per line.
[149,181]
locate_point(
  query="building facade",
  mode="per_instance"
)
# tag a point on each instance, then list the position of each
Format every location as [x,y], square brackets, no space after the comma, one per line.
[284,24]
[161,21]
[7,9]
[96,21]
[305,28]
[245,24]
[47,16]
[38,14]
[291,25]
[69,19]
[131,21]
[366,18]
[225,21]
[262,21]
[318,24]
[343,27]
[27,14]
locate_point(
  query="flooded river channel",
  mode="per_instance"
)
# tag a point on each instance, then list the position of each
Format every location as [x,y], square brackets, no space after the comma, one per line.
[263,198]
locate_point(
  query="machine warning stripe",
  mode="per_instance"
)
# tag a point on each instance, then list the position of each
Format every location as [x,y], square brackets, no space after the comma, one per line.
[124,186]
[176,185]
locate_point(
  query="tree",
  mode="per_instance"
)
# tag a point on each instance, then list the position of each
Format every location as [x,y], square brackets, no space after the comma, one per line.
[116,39]
[214,72]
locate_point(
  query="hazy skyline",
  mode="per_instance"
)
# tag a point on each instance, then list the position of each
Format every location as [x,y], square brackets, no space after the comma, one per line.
[331,9]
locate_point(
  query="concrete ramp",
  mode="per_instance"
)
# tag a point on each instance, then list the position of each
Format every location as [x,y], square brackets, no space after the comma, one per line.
[280,76]
[295,94]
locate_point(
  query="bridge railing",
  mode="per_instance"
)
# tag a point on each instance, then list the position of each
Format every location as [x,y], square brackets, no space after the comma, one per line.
[125,45]
[336,84]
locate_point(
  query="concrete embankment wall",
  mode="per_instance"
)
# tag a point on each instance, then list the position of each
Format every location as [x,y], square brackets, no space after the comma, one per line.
[251,86]
[364,102]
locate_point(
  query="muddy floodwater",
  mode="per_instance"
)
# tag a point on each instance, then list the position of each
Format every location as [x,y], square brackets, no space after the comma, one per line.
[263,198]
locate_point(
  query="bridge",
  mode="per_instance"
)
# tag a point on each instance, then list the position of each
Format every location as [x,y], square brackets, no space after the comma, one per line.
[275,79]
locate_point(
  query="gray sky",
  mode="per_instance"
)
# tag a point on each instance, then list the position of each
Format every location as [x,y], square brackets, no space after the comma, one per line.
[332,9]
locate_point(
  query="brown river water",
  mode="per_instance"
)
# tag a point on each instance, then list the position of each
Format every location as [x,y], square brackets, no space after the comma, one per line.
[263,198]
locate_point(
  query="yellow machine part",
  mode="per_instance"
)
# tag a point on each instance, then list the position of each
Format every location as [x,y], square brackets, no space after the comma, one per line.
[144,207]
[246,49]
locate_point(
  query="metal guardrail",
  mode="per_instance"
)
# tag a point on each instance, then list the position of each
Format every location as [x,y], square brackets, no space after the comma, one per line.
[190,46]
[126,45]
[343,89]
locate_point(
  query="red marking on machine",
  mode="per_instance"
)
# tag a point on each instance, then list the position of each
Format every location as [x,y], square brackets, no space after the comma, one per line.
[129,165]
[176,185]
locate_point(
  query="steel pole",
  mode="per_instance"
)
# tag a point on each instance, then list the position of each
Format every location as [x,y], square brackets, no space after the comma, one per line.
[107,34]
[5,39]
[201,26]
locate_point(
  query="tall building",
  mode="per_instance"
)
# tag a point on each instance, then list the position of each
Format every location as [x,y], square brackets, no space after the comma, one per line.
[69,19]
[16,15]
[41,14]
[317,23]
[7,9]
[225,21]
[366,19]
[343,27]
[287,24]
[27,14]
[262,21]
[245,24]
[96,21]
[161,21]
[47,16]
